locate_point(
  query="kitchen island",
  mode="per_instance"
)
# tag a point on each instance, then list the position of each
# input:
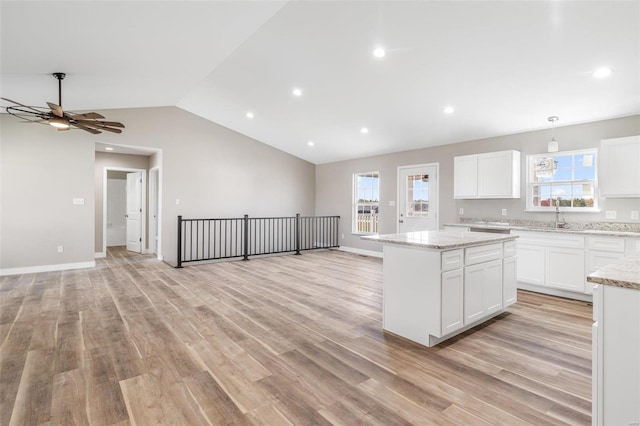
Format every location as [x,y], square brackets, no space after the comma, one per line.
[437,284]
[616,343]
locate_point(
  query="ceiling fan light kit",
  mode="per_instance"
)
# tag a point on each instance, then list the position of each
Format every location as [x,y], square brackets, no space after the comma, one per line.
[55,116]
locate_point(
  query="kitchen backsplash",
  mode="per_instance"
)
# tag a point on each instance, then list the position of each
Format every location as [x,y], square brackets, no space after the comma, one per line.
[601,226]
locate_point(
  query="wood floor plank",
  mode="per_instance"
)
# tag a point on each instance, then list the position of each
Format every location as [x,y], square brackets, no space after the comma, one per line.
[284,340]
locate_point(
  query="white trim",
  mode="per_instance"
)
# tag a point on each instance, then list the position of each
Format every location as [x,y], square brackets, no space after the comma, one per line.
[100,254]
[555,292]
[143,216]
[158,202]
[361,251]
[437,166]
[47,268]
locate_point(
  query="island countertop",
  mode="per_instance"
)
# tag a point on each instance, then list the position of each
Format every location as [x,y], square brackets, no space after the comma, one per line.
[441,240]
[625,274]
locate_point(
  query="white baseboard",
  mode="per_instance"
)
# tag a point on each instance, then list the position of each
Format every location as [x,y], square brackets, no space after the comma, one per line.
[100,255]
[361,251]
[46,268]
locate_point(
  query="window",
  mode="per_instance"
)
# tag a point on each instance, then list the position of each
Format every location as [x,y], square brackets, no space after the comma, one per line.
[366,198]
[567,179]
[417,196]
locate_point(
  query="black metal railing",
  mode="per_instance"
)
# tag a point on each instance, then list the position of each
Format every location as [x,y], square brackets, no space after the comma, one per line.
[213,239]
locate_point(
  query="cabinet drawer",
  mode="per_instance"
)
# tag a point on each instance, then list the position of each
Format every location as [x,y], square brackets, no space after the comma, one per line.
[600,259]
[509,249]
[606,244]
[452,260]
[479,254]
[550,239]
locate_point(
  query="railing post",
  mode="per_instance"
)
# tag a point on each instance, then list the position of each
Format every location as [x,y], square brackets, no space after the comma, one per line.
[246,237]
[297,233]
[179,262]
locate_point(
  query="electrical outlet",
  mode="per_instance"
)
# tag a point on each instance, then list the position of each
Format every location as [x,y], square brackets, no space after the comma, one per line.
[610,214]
[634,214]
[60,249]
[343,236]
[177,201]
[392,203]
[504,212]
[461,211]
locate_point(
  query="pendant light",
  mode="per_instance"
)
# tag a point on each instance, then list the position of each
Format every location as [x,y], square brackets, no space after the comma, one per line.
[553,145]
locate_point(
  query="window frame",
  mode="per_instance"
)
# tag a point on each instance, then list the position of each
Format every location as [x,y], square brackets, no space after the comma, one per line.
[355,204]
[530,184]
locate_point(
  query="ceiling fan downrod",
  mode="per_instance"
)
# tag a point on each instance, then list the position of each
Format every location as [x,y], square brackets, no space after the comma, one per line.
[60,76]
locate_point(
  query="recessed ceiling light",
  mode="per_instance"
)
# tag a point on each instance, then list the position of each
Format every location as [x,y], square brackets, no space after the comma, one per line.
[310,143]
[297,92]
[448,110]
[364,130]
[249,115]
[379,52]
[602,72]
[108,148]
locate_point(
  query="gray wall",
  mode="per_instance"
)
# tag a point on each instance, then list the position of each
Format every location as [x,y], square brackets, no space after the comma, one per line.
[334,180]
[41,172]
[214,171]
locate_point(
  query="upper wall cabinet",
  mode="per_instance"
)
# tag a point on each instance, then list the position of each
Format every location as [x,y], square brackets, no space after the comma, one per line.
[488,175]
[619,167]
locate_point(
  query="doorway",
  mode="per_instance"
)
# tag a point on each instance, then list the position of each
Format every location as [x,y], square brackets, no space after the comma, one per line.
[418,197]
[135,208]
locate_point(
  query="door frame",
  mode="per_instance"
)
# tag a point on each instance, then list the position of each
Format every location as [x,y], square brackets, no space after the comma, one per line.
[143,217]
[411,166]
[156,198]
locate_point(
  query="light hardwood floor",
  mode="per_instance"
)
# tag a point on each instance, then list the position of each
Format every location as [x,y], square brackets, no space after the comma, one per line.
[279,340]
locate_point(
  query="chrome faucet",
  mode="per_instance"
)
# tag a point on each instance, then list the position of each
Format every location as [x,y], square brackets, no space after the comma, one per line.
[559,223]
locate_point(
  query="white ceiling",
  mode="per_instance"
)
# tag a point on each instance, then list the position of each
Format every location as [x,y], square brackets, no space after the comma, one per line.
[505,66]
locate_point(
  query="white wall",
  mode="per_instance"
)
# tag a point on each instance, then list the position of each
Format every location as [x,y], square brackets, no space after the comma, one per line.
[214,171]
[334,180]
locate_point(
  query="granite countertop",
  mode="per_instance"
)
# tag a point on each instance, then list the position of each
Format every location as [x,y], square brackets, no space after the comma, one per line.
[542,228]
[625,274]
[441,240]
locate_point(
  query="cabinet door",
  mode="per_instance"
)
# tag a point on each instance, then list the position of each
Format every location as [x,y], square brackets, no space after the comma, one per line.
[565,269]
[452,301]
[499,175]
[492,286]
[531,259]
[465,176]
[473,293]
[619,172]
[509,287]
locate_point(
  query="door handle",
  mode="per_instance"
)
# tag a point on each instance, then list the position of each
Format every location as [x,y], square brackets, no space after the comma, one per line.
[401,221]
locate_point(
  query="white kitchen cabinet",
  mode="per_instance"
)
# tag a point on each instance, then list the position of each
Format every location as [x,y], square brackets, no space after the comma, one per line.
[452,301]
[482,289]
[564,268]
[465,176]
[487,175]
[619,174]
[602,251]
[509,281]
[551,261]
[616,356]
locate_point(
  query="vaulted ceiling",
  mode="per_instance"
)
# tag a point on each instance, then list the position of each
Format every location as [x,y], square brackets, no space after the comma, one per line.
[503,66]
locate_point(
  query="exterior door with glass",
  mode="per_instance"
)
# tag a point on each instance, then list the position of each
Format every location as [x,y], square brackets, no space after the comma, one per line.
[418,198]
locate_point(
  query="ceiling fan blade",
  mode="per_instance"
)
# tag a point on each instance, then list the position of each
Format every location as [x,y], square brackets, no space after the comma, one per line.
[106,123]
[22,105]
[56,109]
[85,128]
[86,116]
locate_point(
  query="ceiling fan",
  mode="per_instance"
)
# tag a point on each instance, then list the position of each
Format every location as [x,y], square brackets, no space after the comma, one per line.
[55,116]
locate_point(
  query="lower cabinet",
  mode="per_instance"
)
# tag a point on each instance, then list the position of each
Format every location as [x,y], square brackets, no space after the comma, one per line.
[452,305]
[531,263]
[482,290]
[616,356]
[565,268]
[509,281]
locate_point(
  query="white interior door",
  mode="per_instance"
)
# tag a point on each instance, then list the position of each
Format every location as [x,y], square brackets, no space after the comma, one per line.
[134,212]
[418,198]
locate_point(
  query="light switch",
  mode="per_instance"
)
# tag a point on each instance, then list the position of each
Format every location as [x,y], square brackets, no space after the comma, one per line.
[78,201]
[177,201]
[392,203]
